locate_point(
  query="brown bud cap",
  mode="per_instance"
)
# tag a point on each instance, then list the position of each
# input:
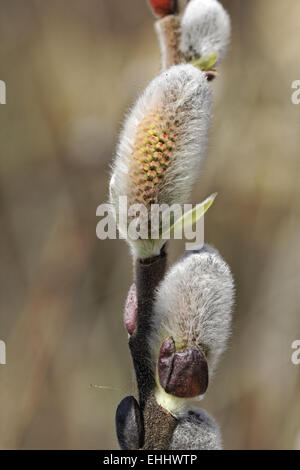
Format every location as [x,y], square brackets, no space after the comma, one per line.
[184,373]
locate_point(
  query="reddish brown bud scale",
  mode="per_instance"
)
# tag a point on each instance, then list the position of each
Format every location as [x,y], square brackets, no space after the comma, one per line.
[131,310]
[184,373]
[164,7]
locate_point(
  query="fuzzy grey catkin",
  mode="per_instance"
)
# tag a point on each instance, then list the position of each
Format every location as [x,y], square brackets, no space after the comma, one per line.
[196,430]
[193,305]
[162,145]
[205,29]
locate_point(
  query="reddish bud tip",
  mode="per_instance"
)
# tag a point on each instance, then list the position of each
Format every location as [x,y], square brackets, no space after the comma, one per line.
[183,374]
[164,7]
[131,310]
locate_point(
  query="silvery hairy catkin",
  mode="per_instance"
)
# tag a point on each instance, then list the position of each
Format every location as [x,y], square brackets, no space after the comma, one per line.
[162,145]
[191,325]
[205,30]
[196,430]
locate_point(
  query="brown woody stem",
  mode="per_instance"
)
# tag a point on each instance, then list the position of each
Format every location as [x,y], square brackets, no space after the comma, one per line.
[158,423]
[168,33]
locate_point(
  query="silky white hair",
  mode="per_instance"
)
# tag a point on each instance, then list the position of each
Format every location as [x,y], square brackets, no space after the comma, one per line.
[194,304]
[196,430]
[183,97]
[205,29]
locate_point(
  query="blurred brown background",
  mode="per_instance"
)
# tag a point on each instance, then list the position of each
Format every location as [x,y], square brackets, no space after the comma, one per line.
[72,68]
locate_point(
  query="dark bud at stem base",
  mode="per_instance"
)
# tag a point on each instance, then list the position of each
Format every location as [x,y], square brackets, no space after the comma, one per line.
[183,374]
[129,424]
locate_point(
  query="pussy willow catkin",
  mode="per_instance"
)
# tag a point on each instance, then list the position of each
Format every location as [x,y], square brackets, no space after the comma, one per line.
[193,306]
[205,29]
[162,145]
